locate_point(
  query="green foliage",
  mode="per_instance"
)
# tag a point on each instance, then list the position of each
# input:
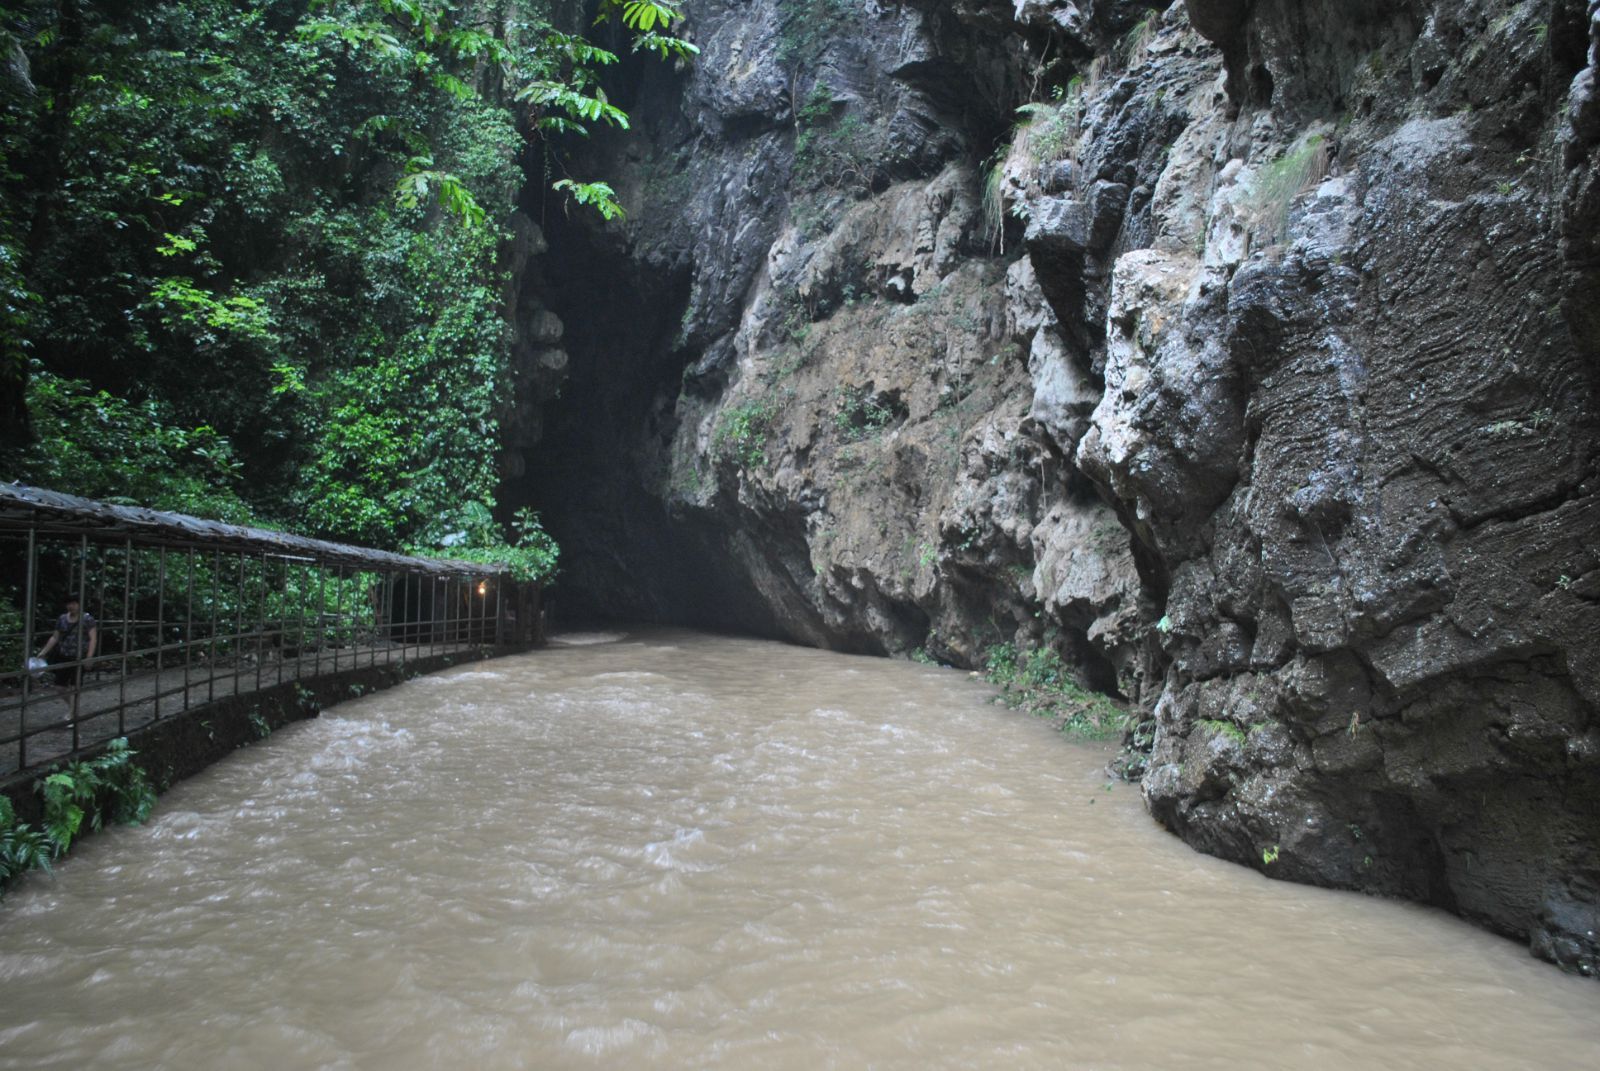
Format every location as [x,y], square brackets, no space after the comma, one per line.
[1279,182]
[994,198]
[11,626]
[1133,43]
[742,432]
[1225,729]
[641,15]
[1048,131]
[253,249]
[110,786]
[806,27]
[99,445]
[836,153]
[22,848]
[597,195]
[222,271]
[859,414]
[1038,682]
[530,553]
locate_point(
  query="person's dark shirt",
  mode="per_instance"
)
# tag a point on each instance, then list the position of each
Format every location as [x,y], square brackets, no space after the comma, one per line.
[74,636]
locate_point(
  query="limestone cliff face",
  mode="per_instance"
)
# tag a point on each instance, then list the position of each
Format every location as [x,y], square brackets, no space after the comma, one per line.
[1256,371]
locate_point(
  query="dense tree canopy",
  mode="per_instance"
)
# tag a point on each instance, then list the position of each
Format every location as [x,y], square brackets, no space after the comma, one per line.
[250,249]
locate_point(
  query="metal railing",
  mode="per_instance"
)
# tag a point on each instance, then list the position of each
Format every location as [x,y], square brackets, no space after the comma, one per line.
[187,612]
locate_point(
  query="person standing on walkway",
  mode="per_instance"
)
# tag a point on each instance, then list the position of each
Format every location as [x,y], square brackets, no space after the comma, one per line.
[76,636]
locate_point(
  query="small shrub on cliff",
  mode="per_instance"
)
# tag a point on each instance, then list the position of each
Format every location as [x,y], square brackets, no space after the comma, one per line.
[860,413]
[833,153]
[1133,44]
[743,430]
[1281,181]
[1048,131]
[806,27]
[1038,682]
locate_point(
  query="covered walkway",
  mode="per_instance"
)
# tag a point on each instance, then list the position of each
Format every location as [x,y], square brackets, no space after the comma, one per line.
[189,611]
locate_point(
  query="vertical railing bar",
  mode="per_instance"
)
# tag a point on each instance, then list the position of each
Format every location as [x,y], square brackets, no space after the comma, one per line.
[300,604]
[127,636]
[261,621]
[188,632]
[161,626]
[388,616]
[499,612]
[211,639]
[322,608]
[102,600]
[82,656]
[238,629]
[338,615]
[27,645]
[282,623]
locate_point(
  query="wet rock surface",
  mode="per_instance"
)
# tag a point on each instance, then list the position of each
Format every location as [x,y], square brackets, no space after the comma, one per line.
[1254,370]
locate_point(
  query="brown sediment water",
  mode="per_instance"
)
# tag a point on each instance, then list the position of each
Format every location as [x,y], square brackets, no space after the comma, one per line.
[679,851]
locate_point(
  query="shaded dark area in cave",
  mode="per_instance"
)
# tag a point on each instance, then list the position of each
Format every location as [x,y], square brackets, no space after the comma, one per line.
[623,556]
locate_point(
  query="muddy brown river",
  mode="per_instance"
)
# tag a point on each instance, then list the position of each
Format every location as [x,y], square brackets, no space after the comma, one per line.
[669,850]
